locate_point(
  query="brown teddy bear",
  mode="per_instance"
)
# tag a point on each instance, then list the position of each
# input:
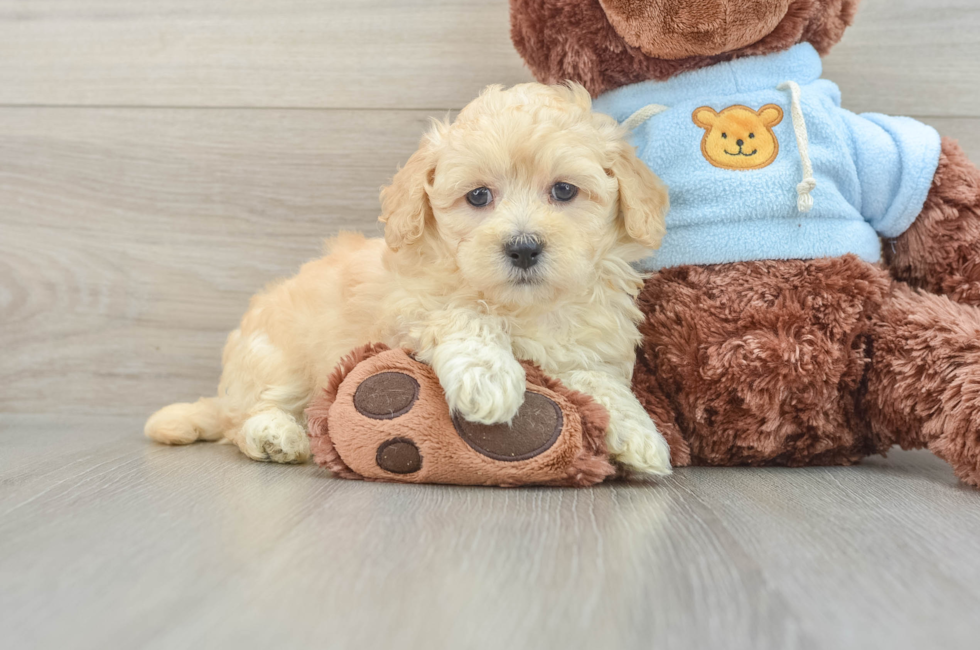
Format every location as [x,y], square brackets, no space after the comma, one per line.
[815,300]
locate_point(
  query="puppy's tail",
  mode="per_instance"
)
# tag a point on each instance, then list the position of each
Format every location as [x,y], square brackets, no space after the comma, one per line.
[183,423]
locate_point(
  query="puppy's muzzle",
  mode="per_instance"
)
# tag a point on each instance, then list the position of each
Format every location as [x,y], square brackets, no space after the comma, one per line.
[524,251]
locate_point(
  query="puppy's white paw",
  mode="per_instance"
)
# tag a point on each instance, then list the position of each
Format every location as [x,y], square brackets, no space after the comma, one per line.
[486,391]
[275,436]
[636,443]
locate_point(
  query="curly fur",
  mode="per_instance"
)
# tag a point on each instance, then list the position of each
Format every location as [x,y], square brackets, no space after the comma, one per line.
[924,381]
[759,363]
[441,282]
[807,363]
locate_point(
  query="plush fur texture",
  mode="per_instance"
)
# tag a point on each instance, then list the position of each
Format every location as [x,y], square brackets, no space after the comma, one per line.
[941,251]
[924,379]
[577,459]
[443,283]
[807,363]
[667,29]
[576,40]
[760,363]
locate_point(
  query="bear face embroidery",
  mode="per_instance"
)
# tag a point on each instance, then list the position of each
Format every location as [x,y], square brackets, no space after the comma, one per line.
[739,138]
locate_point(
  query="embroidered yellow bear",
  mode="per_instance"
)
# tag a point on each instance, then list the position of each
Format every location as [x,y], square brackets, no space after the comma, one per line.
[739,138]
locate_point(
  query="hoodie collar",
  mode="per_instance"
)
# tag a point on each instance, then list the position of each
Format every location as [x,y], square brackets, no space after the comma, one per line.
[801,63]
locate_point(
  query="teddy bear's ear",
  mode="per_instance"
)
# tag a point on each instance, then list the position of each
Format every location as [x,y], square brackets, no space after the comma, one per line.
[705,117]
[771,115]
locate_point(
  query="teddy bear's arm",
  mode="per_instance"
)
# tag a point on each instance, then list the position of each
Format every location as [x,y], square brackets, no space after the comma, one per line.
[940,251]
[894,160]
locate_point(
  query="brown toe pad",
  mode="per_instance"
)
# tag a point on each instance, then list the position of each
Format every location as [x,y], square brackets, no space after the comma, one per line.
[383,416]
[536,428]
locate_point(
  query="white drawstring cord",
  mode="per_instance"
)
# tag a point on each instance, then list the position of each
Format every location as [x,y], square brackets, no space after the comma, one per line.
[642,115]
[805,199]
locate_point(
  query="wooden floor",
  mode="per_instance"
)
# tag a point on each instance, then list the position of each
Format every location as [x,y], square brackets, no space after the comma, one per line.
[161,161]
[109,542]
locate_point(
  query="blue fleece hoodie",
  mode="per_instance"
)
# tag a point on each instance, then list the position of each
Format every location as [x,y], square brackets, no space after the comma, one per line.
[872,172]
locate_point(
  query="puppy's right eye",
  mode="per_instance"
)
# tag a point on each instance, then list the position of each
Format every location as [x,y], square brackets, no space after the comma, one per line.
[480,197]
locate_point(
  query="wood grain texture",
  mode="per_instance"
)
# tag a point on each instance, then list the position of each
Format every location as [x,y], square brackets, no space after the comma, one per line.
[123,543]
[131,240]
[901,57]
[910,57]
[288,53]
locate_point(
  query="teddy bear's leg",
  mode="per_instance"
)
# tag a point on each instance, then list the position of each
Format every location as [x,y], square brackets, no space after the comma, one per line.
[383,415]
[923,383]
[940,252]
[759,363]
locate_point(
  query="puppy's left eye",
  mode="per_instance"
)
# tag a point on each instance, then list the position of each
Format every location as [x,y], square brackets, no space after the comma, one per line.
[563,192]
[481,197]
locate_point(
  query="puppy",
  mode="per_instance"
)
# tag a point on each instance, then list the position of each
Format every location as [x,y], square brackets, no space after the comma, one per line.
[508,235]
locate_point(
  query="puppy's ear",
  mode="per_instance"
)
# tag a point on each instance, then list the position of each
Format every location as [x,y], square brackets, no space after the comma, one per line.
[643,198]
[405,206]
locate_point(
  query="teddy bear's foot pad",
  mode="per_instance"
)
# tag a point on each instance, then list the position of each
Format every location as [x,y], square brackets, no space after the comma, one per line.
[383,416]
[537,427]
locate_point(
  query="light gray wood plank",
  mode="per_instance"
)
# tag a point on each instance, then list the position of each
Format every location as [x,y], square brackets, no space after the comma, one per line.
[111,548]
[825,531]
[901,57]
[291,53]
[910,57]
[140,545]
[132,239]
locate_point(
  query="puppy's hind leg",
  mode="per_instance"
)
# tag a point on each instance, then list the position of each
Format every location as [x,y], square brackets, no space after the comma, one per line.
[272,434]
[267,395]
[184,423]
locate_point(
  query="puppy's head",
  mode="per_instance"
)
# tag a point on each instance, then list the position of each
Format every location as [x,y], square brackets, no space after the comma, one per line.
[526,194]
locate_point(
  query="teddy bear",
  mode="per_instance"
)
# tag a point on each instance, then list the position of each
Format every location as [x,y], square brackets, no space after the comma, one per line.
[815,299]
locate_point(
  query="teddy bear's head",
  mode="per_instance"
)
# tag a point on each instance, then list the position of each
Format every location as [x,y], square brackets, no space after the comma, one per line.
[739,137]
[605,44]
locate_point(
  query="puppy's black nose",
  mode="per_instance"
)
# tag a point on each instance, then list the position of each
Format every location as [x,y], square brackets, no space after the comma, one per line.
[740,142]
[523,251]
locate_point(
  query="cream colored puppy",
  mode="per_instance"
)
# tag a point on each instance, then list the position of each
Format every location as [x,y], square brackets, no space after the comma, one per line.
[508,235]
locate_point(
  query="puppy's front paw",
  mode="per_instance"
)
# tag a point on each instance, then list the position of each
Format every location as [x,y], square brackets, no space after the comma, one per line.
[636,443]
[484,390]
